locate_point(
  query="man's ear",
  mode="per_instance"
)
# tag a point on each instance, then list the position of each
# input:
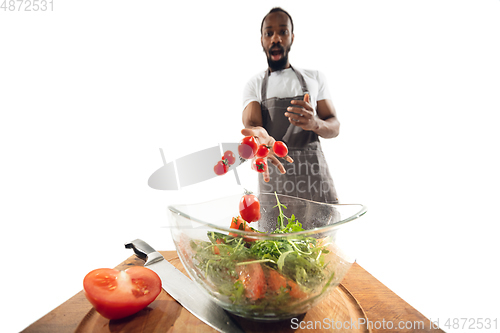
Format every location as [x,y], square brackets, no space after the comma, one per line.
[293,37]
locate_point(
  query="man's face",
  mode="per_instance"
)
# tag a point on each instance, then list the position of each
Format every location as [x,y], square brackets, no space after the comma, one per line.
[277,39]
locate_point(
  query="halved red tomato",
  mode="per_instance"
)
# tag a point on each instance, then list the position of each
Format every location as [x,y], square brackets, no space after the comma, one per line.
[117,294]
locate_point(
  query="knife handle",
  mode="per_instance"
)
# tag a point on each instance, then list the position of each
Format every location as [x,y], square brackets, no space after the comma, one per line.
[140,247]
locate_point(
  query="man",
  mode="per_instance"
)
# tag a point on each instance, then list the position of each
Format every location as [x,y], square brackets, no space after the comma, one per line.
[290,105]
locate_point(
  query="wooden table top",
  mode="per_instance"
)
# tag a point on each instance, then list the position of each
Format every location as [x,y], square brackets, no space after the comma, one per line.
[386,312]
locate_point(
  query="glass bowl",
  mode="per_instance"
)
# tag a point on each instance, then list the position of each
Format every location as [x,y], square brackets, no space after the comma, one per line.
[263,275]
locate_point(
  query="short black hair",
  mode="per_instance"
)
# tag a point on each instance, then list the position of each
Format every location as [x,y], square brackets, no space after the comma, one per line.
[274,10]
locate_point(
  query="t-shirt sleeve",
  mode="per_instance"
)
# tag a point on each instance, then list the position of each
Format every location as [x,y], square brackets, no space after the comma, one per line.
[250,93]
[252,90]
[323,90]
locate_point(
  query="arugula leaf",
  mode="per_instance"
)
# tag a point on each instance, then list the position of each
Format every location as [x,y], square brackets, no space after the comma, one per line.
[281,260]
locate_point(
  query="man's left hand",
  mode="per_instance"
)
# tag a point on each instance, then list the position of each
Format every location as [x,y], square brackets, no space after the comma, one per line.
[301,114]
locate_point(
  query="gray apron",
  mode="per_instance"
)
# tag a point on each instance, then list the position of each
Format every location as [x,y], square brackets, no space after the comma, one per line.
[308,176]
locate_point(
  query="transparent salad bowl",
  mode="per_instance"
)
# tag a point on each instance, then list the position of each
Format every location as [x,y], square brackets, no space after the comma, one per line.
[263,275]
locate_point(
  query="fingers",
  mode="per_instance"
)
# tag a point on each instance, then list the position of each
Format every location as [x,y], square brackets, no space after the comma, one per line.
[274,160]
[301,108]
[276,163]
[294,121]
[305,104]
[297,111]
[265,175]
[298,114]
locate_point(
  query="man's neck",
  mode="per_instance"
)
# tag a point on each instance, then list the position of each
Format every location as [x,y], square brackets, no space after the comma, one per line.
[276,70]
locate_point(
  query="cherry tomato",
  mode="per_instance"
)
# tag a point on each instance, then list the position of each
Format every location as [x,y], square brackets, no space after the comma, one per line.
[253,279]
[117,294]
[262,151]
[280,149]
[260,165]
[229,156]
[247,147]
[250,208]
[220,168]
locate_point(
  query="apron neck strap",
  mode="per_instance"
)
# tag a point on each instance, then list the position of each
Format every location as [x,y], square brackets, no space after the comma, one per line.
[266,78]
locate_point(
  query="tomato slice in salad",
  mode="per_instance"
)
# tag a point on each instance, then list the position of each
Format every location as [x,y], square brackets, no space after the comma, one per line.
[295,290]
[239,224]
[253,279]
[117,294]
[275,281]
[216,249]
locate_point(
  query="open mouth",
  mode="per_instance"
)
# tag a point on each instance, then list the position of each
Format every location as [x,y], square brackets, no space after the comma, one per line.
[276,54]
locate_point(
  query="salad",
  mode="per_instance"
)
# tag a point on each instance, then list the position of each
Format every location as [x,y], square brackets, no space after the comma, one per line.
[265,275]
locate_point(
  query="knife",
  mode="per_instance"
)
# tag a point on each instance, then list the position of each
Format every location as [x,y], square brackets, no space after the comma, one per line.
[183,289]
[193,168]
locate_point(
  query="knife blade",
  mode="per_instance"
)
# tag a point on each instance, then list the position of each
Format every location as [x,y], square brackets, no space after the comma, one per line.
[183,289]
[193,168]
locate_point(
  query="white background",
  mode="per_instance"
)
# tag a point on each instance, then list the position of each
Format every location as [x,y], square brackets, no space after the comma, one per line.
[90,91]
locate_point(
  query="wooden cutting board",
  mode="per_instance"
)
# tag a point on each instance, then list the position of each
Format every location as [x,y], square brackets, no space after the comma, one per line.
[166,315]
[378,302]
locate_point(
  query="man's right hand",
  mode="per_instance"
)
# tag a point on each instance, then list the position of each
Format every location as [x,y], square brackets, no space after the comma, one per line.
[263,137]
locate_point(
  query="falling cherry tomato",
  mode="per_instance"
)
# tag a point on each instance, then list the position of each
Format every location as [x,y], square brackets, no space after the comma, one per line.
[262,151]
[229,157]
[248,147]
[220,168]
[280,149]
[249,208]
[260,165]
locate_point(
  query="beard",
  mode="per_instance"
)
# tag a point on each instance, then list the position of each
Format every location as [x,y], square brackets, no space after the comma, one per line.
[276,65]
